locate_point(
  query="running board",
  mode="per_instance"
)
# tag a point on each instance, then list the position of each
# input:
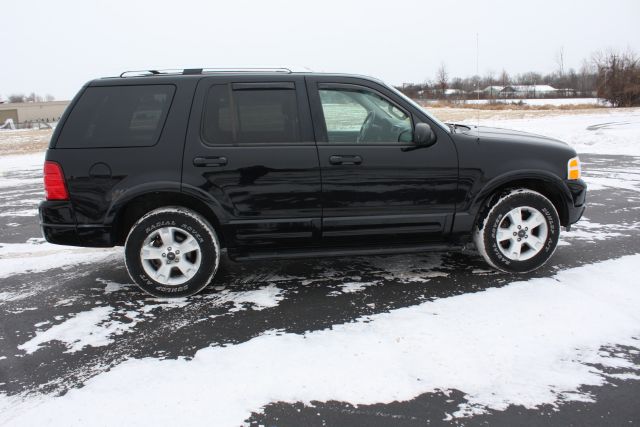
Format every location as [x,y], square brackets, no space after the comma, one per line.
[336,252]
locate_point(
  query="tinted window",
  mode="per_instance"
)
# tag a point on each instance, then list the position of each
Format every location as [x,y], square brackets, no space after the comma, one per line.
[363,116]
[250,115]
[117,116]
[217,124]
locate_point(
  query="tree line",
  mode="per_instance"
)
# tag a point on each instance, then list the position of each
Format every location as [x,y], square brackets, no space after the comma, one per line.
[611,75]
[32,97]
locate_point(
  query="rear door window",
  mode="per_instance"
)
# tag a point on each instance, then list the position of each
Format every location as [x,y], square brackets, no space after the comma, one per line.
[117,116]
[250,115]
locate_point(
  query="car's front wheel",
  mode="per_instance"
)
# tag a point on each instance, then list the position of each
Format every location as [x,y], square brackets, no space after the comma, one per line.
[519,232]
[172,252]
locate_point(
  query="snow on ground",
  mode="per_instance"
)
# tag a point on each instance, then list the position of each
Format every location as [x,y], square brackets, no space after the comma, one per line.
[257,299]
[21,162]
[610,132]
[90,328]
[545,337]
[586,230]
[37,255]
[542,101]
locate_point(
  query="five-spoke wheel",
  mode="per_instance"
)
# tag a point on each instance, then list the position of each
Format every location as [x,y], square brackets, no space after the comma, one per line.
[522,233]
[170,255]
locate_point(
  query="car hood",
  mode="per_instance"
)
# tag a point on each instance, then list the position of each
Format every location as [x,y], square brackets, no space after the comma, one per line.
[508,135]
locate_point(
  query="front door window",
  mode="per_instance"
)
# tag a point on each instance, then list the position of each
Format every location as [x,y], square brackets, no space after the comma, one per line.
[362,116]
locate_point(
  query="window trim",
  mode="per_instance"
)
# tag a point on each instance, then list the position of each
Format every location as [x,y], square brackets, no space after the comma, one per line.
[356,87]
[242,86]
[263,86]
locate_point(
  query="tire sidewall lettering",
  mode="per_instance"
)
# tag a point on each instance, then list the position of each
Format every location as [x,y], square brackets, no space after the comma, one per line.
[497,214]
[181,219]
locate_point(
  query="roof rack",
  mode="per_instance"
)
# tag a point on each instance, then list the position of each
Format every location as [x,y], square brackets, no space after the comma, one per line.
[191,71]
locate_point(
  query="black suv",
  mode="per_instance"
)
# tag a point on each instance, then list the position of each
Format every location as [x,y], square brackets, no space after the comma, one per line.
[177,165]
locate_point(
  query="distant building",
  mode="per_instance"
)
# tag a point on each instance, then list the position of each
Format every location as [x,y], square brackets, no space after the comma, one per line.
[533,91]
[22,112]
[567,92]
[522,91]
[454,92]
[492,91]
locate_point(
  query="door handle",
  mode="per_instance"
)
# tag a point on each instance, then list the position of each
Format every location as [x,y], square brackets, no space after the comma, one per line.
[209,161]
[345,160]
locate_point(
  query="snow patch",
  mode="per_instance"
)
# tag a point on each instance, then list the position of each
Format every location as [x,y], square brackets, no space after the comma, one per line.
[611,132]
[541,101]
[257,299]
[23,212]
[593,231]
[89,328]
[38,256]
[21,163]
[110,287]
[352,287]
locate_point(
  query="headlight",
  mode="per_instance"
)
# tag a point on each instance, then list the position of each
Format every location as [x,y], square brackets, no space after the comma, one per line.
[574,170]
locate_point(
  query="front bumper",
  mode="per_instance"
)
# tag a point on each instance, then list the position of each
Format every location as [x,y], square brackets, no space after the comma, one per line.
[58,224]
[575,209]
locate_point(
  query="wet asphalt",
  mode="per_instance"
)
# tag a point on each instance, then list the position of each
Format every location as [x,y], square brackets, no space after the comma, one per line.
[311,301]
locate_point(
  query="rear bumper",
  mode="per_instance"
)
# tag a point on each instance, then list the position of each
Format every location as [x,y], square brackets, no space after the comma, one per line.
[58,224]
[578,189]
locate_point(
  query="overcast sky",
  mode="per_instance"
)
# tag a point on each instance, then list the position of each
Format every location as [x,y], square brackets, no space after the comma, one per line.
[56,46]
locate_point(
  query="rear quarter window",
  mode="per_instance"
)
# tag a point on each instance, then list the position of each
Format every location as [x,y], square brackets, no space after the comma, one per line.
[117,116]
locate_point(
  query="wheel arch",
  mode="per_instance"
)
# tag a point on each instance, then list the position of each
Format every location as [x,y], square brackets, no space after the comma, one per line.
[134,208]
[542,182]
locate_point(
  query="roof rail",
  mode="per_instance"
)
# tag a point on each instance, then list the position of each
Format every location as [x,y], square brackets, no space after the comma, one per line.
[191,71]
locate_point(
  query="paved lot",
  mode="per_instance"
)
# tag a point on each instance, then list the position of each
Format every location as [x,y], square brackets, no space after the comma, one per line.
[115,322]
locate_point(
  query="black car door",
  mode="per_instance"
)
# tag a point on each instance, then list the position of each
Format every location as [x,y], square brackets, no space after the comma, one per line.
[250,153]
[376,183]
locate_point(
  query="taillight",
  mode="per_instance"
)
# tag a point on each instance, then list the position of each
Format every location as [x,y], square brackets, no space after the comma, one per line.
[54,186]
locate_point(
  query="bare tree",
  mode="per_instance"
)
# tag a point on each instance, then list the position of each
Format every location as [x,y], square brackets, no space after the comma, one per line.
[586,79]
[48,97]
[618,78]
[17,97]
[504,78]
[575,83]
[442,79]
[530,78]
[457,83]
[490,78]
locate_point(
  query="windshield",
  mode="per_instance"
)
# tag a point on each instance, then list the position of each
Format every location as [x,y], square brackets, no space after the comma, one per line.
[415,104]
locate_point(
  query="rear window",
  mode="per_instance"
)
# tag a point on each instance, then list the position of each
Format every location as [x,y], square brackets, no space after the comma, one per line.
[117,116]
[247,116]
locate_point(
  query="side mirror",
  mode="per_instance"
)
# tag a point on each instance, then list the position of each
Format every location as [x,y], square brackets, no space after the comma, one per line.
[423,135]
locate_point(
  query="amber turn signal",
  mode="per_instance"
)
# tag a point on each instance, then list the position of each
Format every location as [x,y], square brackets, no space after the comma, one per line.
[574,170]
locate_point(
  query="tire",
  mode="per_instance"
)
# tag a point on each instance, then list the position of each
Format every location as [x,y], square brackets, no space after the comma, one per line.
[172,252]
[533,219]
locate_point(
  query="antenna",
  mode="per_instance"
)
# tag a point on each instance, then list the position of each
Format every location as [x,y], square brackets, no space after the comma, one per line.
[478,83]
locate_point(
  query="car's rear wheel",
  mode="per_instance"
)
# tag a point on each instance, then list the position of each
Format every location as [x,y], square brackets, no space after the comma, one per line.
[172,252]
[519,232]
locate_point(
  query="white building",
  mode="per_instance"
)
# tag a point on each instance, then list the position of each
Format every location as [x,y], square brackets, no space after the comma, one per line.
[520,91]
[21,112]
[533,91]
